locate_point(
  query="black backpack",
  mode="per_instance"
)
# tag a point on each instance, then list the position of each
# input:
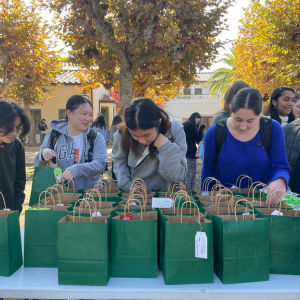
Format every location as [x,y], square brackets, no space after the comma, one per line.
[265,132]
[17,147]
[91,137]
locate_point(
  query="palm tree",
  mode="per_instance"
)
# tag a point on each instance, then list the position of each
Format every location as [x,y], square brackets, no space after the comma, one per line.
[222,77]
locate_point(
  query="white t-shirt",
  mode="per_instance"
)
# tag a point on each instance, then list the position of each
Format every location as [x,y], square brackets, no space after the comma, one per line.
[78,145]
[284,120]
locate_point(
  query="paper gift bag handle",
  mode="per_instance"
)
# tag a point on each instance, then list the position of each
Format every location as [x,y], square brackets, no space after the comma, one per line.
[138,180]
[59,186]
[195,206]
[81,200]
[93,193]
[245,200]
[241,179]
[178,185]
[109,180]
[73,185]
[283,193]
[51,189]
[178,196]
[45,200]
[50,161]
[222,192]
[207,182]
[88,197]
[138,193]
[257,183]
[188,199]
[127,206]
[230,202]
[4,203]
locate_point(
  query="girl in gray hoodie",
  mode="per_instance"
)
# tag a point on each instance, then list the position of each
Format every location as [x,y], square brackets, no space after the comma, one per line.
[80,160]
[150,146]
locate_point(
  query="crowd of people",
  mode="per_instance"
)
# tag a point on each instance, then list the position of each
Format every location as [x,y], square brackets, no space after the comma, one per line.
[243,139]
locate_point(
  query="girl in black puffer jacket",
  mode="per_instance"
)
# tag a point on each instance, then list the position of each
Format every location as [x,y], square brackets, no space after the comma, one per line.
[194,135]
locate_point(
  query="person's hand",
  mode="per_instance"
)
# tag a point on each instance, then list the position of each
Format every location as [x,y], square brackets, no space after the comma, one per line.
[67,175]
[160,140]
[276,190]
[203,126]
[48,154]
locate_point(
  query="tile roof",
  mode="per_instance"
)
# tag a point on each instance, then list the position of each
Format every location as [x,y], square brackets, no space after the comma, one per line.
[67,76]
[106,99]
[203,76]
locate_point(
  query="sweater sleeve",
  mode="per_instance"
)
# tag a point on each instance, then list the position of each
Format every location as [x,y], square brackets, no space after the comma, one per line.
[172,158]
[279,166]
[120,163]
[96,166]
[209,155]
[20,180]
[194,133]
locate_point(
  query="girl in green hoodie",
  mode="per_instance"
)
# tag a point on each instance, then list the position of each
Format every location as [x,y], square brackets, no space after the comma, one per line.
[13,121]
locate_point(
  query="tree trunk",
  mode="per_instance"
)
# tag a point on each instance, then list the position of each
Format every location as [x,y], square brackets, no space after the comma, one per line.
[126,87]
[32,133]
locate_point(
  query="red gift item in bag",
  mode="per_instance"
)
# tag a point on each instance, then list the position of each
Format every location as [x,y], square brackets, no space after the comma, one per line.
[127,216]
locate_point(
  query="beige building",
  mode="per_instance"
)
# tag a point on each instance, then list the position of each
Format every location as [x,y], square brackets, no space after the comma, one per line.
[195,99]
[54,109]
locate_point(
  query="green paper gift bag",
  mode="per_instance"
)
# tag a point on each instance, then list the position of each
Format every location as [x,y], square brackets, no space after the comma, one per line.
[42,179]
[83,250]
[10,242]
[284,233]
[180,264]
[134,244]
[241,244]
[41,231]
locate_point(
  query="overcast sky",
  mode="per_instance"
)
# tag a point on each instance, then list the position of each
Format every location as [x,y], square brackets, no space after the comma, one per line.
[234,15]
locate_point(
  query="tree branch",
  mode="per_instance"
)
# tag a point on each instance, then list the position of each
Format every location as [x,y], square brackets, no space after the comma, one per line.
[144,59]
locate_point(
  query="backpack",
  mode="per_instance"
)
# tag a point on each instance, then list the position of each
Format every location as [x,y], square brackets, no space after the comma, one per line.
[91,137]
[265,132]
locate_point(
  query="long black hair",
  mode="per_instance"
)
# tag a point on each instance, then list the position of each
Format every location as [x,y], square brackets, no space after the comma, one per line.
[74,102]
[192,119]
[143,113]
[271,109]
[116,120]
[247,98]
[99,122]
[9,111]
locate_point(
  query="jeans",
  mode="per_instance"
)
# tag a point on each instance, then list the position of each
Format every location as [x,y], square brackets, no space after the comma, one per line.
[42,136]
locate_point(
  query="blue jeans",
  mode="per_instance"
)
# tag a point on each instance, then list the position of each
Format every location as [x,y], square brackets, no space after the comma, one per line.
[42,136]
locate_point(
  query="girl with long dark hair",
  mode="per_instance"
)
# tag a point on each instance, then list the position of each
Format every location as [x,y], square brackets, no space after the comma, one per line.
[13,121]
[194,135]
[281,105]
[80,149]
[100,126]
[150,145]
[243,151]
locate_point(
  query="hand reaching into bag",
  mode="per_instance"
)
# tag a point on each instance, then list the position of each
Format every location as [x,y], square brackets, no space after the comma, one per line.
[276,191]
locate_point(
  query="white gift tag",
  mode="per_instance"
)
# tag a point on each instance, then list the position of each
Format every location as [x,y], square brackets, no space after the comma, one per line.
[201,245]
[204,194]
[132,203]
[264,191]
[245,214]
[162,202]
[98,214]
[6,209]
[234,187]
[276,213]
[59,204]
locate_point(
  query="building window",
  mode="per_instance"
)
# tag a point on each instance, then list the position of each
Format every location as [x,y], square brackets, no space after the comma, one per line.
[104,113]
[61,114]
[198,91]
[37,117]
[186,91]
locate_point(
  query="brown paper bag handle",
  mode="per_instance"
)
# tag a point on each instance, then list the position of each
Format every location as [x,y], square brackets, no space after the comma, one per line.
[190,205]
[241,179]
[188,197]
[220,194]
[281,198]
[73,184]
[92,193]
[127,206]
[258,183]
[89,198]
[81,200]
[52,188]
[207,182]
[57,161]
[45,201]
[4,203]
[60,186]
[246,207]
[178,185]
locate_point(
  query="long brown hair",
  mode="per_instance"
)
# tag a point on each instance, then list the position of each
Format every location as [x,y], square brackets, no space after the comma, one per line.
[231,92]
[142,113]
